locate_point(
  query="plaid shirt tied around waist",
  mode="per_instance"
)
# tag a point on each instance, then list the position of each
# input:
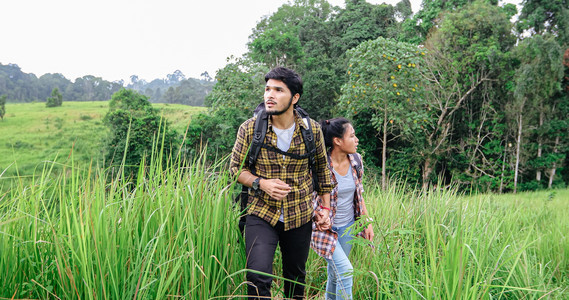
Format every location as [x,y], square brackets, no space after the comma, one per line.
[324,242]
[298,204]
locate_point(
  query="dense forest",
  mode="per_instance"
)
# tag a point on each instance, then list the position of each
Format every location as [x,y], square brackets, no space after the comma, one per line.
[18,86]
[473,93]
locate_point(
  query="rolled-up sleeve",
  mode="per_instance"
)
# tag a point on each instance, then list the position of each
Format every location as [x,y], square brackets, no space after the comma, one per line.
[240,149]
[324,177]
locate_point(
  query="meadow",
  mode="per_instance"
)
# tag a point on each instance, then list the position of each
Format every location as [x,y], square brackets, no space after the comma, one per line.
[31,133]
[78,233]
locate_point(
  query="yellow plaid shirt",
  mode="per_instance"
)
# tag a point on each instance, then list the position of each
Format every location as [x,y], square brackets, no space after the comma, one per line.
[297,205]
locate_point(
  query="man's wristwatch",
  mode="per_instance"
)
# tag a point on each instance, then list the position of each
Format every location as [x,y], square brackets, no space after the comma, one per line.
[256,184]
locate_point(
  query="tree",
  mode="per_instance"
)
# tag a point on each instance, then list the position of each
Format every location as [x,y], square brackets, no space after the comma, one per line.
[277,47]
[2,107]
[56,99]
[403,10]
[275,40]
[136,130]
[17,85]
[361,21]
[468,50]
[559,126]
[416,29]
[175,77]
[537,79]
[47,82]
[540,17]
[547,19]
[384,81]
[321,85]
[205,76]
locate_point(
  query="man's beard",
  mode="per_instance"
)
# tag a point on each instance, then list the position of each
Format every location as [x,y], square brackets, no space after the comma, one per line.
[280,112]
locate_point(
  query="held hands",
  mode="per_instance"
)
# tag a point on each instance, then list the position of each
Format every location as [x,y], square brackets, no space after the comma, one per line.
[276,188]
[322,219]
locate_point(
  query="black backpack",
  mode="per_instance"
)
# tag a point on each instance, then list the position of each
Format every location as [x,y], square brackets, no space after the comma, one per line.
[261,124]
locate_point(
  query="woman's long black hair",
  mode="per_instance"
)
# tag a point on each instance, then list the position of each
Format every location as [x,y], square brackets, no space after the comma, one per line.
[333,128]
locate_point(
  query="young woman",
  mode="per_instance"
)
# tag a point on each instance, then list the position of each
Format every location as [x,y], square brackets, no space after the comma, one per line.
[346,206]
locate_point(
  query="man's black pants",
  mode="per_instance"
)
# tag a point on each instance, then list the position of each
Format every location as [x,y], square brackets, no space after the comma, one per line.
[261,241]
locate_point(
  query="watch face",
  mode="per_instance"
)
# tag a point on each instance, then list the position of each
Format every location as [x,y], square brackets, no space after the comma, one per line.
[255,184]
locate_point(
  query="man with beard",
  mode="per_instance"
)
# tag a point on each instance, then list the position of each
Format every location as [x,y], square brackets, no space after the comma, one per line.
[280,209]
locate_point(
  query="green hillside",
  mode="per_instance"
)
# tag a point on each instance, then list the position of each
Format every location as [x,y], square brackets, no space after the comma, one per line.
[31,133]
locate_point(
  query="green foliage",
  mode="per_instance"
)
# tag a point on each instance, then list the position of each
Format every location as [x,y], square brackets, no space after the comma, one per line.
[467,54]
[312,37]
[533,101]
[322,72]
[135,128]
[55,100]
[298,36]
[383,78]
[361,21]
[277,48]
[461,127]
[416,29]
[546,17]
[384,82]
[538,55]
[131,101]
[476,37]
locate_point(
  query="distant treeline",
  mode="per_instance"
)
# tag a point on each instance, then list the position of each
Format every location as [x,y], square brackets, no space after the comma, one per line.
[176,88]
[19,86]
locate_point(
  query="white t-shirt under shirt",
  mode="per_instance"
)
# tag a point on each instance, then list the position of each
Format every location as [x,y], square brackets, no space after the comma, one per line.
[345,206]
[284,138]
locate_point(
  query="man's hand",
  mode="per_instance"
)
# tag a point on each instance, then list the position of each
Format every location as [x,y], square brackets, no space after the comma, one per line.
[276,188]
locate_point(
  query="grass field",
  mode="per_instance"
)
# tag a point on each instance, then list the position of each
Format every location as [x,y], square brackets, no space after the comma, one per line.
[173,235]
[31,133]
[69,231]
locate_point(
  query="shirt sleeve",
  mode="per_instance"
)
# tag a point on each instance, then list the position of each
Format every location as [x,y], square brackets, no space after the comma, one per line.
[321,160]
[240,150]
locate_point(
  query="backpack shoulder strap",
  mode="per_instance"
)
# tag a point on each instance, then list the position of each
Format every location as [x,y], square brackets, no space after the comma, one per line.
[308,137]
[259,133]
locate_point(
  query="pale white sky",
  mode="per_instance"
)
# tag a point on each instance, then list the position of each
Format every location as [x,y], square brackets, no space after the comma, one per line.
[114,39]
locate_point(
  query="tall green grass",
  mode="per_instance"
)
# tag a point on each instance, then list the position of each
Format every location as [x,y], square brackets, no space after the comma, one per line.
[441,245]
[85,234]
